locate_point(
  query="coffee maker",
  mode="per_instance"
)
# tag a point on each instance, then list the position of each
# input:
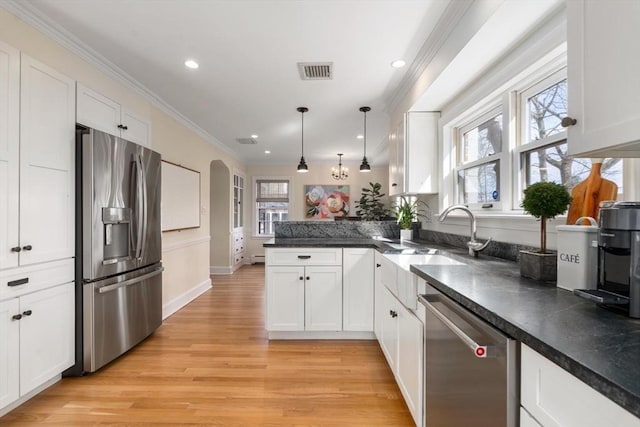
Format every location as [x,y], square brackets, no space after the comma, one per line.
[618,284]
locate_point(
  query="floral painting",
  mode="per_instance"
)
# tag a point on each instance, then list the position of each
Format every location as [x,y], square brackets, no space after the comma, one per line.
[326,201]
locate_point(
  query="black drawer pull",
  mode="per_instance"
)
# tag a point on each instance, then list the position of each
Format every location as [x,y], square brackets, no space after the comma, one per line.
[393,314]
[27,248]
[16,317]
[378,265]
[16,249]
[18,282]
[301,278]
[27,313]
[304,256]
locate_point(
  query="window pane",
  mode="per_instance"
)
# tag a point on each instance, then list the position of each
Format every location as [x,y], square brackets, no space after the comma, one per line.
[273,190]
[546,110]
[269,213]
[551,163]
[480,184]
[483,140]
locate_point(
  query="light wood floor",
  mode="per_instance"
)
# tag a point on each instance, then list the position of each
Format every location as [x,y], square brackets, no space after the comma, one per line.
[211,364]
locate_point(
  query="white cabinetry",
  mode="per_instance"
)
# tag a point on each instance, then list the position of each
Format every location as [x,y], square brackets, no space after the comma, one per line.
[9,357]
[357,289]
[304,289]
[602,78]
[36,169]
[238,245]
[555,398]
[99,112]
[401,336]
[413,154]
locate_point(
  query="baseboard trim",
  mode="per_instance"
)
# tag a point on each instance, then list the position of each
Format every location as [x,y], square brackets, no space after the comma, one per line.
[220,270]
[185,298]
[321,335]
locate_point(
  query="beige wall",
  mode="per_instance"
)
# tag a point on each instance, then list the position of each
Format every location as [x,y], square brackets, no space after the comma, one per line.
[318,174]
[185,253]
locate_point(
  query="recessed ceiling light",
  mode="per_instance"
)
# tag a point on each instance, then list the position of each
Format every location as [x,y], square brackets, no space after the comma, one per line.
[190,63]
[359,136]
[398,63]
[254,136]
[267,152]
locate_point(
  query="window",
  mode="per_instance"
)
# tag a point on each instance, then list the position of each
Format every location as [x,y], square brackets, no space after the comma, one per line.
[478,167]
[272,204]
[543,148]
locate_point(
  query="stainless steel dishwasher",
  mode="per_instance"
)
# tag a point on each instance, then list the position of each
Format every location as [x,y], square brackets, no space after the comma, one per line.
[471,368]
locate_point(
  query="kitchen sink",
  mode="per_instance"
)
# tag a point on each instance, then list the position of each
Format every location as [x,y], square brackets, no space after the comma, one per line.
[404,261]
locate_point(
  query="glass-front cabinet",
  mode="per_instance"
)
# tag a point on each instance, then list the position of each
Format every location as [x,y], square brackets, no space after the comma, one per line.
[238,194]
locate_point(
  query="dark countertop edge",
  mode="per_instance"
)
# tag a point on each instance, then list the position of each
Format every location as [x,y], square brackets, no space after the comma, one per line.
[323,243]
[613,391]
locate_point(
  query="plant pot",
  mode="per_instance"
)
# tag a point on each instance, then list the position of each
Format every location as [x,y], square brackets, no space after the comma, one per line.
[406,234]
[537,266]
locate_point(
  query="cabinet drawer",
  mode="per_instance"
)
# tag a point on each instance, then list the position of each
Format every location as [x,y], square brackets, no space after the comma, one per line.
[555,398]
[301,256]
[40,276]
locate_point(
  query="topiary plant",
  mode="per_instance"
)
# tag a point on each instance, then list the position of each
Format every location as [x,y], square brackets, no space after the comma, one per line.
[545,200]
[370,206]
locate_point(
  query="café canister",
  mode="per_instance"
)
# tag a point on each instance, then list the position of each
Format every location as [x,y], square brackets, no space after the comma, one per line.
[578,255]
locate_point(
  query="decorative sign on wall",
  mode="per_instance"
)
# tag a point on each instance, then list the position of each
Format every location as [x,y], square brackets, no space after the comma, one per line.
[326,201]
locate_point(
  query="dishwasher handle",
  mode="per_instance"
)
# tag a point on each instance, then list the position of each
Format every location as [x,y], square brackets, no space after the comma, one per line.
[480,351]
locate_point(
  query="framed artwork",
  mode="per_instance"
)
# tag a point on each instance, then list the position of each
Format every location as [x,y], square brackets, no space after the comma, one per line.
[326,201]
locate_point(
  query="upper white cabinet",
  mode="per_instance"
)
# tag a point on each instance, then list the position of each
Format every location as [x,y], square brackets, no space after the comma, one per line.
[413,153]
[36,167]
[99,112]
[602,78]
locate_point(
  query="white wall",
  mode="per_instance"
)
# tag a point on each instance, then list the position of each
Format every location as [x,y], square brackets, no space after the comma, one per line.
[318,174]
[185,253]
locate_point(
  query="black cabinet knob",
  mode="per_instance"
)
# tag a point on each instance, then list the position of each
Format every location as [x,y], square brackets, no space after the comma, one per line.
[16,317]
[393,314]
[394,185]
[378,265]
[568,121]
[120,126]
[16,249]
[125,127]
[27,248]
[301,278]
[308,278]
[27,313]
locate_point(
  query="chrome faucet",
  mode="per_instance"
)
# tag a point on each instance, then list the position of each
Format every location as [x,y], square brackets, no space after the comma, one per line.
[473,245]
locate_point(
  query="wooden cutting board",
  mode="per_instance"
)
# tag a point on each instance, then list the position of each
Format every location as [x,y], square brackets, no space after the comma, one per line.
[587,195]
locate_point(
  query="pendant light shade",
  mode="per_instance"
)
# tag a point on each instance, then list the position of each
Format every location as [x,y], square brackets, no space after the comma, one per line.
[302,166]
[364,166]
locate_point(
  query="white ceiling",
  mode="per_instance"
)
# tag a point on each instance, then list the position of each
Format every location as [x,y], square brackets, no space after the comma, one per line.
[248,82]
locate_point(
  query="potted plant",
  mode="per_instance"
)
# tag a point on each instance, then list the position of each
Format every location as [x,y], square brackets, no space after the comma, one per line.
[408,211]
[370,206]
[543,200]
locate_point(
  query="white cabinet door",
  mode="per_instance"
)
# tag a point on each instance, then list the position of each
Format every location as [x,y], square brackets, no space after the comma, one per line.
[602,77]
[357,289]
[137,129]
[410,368]
[97,111]
[527,420]
[421,152]
[558,399]
[285,298]
[46,335]
[389,328]
[47,144]
[9,352]
[323,298]
[396,159]
[378,297]
[9,155]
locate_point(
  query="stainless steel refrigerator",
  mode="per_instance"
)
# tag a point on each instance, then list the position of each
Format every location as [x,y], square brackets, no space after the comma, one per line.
[118,256]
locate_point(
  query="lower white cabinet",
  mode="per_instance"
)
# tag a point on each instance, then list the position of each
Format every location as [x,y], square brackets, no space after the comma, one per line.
[357,289]
[401,336]
[555,398]
[527,420]
[36,340]
[306,296]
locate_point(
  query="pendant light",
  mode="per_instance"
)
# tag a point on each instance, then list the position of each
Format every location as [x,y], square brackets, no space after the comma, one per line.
[340,173]
[364,166]
[302,166]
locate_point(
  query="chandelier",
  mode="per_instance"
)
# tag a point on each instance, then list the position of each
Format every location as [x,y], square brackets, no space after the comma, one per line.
[339,173]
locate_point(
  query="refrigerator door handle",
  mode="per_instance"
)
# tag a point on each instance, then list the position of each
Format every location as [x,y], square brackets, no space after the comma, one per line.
[109,288]
[145,222]
[139,206]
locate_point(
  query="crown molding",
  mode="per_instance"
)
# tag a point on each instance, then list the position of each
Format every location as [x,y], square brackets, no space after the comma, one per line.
[54,31]
[432,45]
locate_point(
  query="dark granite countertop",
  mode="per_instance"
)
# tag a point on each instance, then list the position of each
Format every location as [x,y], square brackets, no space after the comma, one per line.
[600,347]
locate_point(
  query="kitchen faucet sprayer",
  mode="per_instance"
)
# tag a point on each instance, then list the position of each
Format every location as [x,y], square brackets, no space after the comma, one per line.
[473,245]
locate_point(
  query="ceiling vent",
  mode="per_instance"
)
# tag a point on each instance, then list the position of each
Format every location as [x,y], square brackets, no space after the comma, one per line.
[246,141]
[315,70]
